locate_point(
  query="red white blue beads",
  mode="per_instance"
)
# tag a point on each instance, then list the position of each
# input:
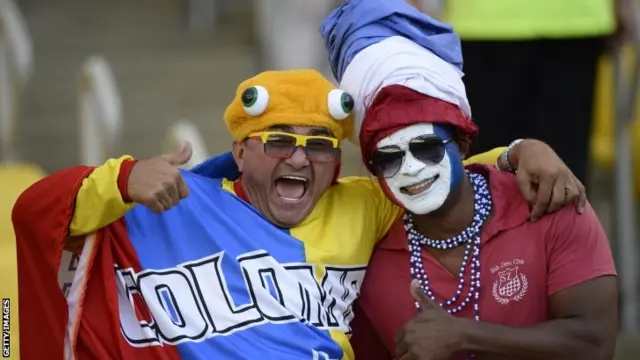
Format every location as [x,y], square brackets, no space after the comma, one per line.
[470,237]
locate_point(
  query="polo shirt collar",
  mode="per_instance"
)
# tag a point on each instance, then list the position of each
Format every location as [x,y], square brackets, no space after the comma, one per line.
[509,209]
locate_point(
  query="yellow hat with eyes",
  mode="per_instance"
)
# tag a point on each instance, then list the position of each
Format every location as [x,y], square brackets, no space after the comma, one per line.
[290,97]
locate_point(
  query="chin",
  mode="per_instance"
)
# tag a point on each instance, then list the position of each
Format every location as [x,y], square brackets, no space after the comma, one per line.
[423,205]
[288,218]
[422,210]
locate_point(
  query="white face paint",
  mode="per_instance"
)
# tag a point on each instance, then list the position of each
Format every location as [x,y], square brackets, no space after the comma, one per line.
[420,188]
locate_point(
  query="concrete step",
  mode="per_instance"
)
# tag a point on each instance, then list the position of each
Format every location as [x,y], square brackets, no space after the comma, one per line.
[163,72]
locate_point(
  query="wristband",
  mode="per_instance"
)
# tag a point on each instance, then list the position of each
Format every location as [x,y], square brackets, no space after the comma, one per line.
[504,157]
[123,178]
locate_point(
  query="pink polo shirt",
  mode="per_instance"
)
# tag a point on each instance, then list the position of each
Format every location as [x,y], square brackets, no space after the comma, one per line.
[522,264]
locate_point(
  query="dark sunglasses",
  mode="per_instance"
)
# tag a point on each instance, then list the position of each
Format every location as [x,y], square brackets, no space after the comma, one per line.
[283,145]
[388,160]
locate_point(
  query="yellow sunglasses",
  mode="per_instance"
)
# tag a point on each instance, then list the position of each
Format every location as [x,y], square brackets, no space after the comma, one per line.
[283,145]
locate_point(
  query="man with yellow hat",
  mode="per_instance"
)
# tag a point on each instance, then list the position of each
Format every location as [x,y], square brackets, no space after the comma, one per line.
[211,268]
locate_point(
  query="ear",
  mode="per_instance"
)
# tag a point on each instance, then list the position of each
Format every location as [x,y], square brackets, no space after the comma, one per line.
[464,144]
[238,153]
[464,147]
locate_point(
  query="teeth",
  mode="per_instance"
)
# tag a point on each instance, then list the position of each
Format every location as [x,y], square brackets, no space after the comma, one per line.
[421,186]
[299,178]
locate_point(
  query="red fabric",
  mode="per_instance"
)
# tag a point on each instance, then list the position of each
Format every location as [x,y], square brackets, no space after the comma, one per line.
[41,218]
[123,178]
[396,107]
[554,253]
[367,342]
[239,190]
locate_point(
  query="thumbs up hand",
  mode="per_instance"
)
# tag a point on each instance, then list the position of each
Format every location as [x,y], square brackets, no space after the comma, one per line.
[157,183]
[433,334]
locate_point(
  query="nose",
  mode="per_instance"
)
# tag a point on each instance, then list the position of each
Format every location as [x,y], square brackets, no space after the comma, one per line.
[298,159]
[411,166]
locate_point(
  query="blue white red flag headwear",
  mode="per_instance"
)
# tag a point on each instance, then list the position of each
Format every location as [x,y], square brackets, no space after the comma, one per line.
[389,45]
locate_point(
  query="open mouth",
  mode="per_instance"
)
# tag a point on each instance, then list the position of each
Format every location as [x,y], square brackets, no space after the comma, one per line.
[291,188]
[418,188]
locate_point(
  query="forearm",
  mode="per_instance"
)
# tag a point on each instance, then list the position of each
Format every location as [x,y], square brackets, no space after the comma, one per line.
[102,198]
[562,339]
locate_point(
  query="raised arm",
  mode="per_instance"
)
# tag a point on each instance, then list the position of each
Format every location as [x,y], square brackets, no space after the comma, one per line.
[61,204]
[59,209]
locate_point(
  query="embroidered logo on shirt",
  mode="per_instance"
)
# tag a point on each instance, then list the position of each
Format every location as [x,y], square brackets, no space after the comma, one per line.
[511,284]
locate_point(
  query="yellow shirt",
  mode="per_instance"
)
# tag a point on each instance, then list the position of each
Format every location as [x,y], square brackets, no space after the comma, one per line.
[530,19]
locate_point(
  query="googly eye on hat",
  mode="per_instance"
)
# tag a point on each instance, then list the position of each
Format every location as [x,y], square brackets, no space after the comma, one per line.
[255,100]
[340,104]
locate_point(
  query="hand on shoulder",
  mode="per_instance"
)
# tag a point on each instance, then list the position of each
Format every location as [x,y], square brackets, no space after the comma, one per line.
[544,179]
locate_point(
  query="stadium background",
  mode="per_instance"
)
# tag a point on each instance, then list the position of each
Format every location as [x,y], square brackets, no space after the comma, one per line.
[175,60]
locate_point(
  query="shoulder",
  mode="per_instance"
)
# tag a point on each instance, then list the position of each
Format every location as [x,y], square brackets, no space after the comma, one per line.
[510,208]
[357,186]
[356,181]
[577,248]
[569,234]
[195,178]
[199,184]
[568,221]
[202,190]
[356,192]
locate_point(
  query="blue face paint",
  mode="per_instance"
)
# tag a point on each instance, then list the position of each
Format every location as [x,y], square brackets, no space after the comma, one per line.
[421,186]
[453,152]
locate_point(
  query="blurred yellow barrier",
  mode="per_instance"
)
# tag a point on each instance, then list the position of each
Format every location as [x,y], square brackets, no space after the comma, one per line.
[603,132]
[13,180]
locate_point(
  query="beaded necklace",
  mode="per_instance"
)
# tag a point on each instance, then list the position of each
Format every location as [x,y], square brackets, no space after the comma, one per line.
[470,237]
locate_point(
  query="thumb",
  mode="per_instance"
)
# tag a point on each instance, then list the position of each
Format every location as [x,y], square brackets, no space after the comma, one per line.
[420,297]
[180,157]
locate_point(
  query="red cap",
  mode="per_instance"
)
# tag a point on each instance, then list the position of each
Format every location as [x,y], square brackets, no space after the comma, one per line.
[396,107]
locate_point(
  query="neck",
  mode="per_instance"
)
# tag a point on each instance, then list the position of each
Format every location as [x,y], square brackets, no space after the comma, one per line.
[239,190]
[455,215]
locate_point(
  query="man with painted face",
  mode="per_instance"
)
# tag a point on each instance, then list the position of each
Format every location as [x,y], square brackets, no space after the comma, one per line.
[484,279]
[463,271]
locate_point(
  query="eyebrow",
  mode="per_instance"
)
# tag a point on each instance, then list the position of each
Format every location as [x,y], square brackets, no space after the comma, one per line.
[283,128]
[320,132]
[314,131]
